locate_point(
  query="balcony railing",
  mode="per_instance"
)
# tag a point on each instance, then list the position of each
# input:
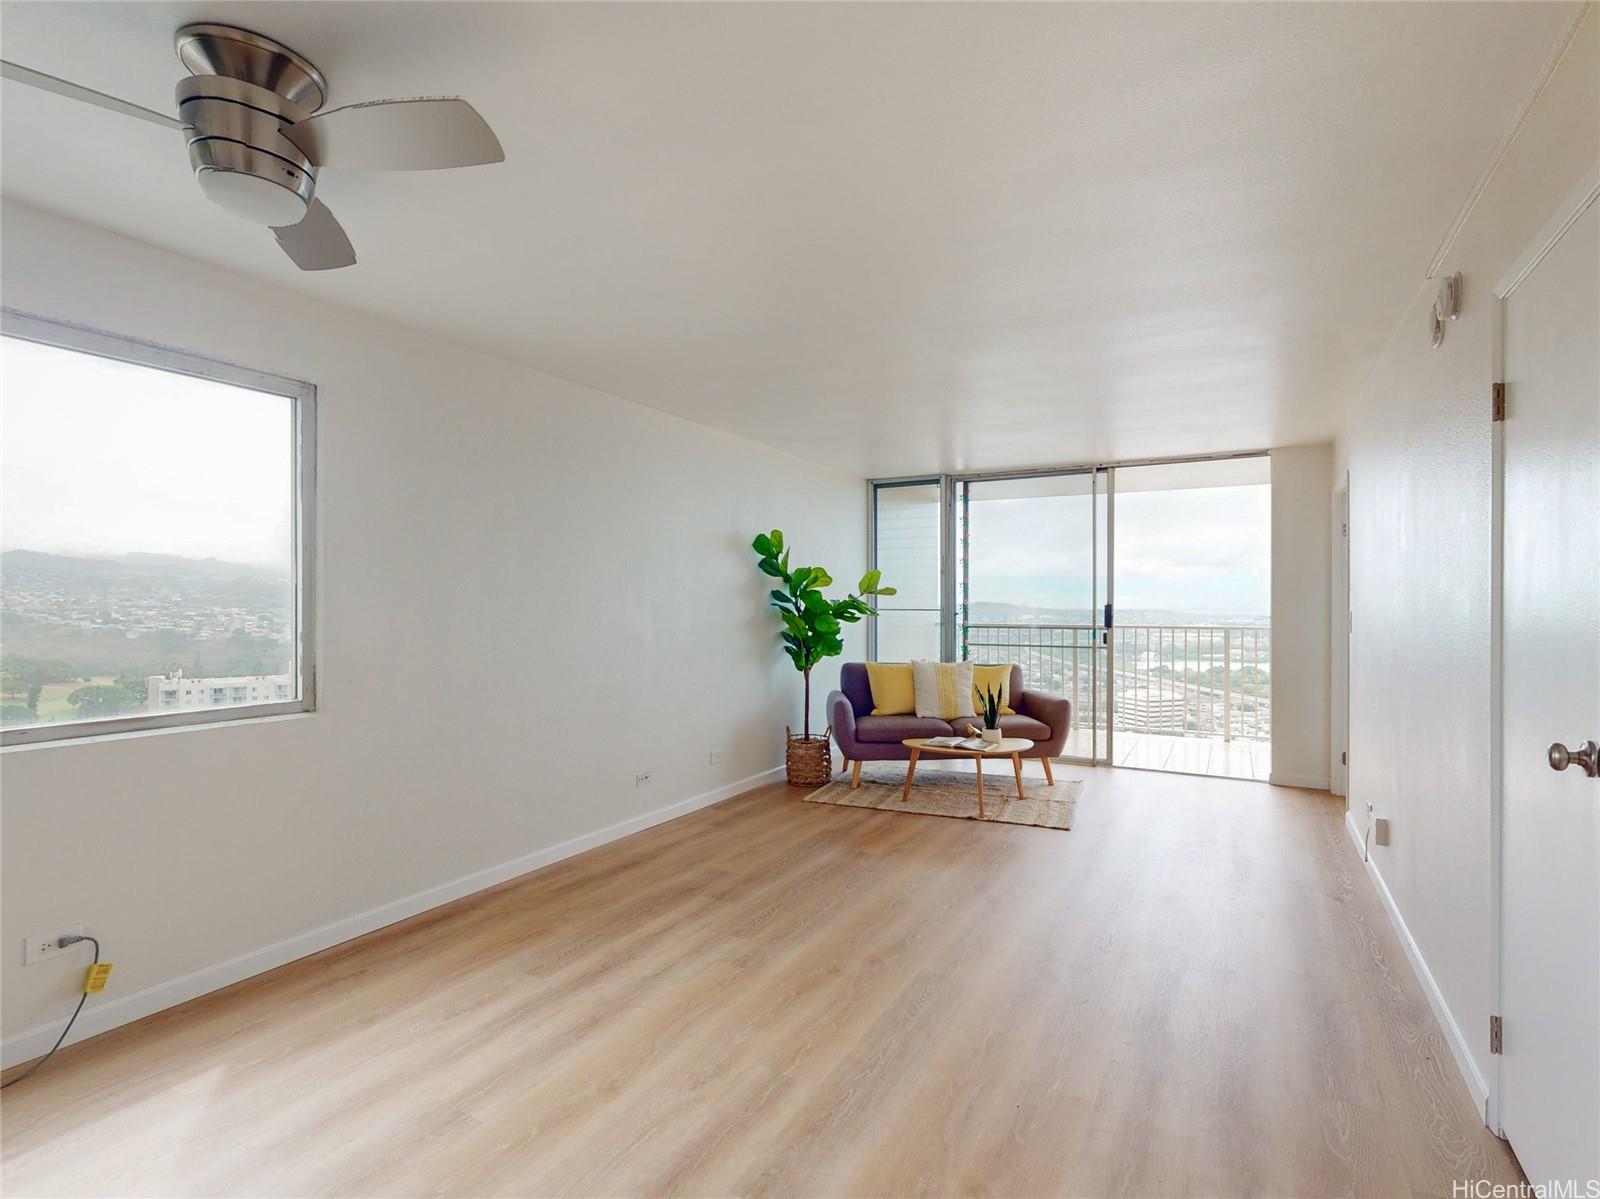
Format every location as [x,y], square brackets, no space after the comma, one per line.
[1173,680]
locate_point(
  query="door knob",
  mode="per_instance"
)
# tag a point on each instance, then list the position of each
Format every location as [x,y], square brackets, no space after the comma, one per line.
[1586,757]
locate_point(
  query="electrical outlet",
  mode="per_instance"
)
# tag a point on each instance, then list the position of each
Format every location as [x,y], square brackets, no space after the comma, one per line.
[640,780]
[44,946]
[716,757]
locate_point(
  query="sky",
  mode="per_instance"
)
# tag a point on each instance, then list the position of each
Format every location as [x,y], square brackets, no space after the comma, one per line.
[99,457]
[1200,550]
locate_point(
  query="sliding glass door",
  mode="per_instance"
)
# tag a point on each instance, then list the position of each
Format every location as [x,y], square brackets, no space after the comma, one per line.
[1032,587]
[1024,567]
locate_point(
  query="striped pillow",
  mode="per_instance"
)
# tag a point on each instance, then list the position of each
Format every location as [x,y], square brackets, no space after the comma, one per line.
[943,689]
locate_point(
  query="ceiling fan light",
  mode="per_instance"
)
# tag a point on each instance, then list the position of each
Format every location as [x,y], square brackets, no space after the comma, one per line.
[252,184]
[252,198]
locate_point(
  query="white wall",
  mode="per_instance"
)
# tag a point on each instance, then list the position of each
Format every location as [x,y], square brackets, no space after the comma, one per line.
[1302,482]
[503,555]
[1418,446]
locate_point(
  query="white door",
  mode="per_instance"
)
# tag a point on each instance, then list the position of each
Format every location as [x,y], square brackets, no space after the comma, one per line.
[1550,954]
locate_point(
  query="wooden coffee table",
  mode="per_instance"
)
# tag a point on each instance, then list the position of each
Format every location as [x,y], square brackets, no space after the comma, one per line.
[1006,747]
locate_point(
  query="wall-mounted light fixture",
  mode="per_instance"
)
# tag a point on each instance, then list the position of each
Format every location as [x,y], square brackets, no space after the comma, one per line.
[1446,306]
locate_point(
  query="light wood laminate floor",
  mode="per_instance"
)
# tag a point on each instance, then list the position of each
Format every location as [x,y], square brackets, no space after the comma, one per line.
[1194,992]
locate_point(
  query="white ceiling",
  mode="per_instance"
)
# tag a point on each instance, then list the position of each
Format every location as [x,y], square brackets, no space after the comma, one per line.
[892,237]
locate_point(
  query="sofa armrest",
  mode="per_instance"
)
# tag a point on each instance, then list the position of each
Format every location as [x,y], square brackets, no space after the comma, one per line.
[842,717]
[1052,710]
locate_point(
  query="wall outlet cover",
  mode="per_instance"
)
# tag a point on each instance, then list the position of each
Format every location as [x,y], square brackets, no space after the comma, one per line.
[41,947]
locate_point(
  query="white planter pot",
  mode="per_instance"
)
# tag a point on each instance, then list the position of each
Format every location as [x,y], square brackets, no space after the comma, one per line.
[992,736]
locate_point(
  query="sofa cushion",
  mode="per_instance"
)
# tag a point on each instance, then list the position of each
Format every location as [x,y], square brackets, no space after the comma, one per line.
[894,729]
[1025,726]
[892,691]
[944,689]
[995,678]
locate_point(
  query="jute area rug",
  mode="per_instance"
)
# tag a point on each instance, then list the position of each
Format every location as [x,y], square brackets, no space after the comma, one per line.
[946,792]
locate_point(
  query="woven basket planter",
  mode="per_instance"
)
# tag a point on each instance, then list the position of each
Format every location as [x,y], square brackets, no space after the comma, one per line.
[809,760]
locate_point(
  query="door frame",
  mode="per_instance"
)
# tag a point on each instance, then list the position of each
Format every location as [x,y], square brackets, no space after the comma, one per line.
[1573,205]
[1341,621]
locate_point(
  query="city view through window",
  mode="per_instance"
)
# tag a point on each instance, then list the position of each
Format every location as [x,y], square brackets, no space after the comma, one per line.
[147,542]
[1182,678]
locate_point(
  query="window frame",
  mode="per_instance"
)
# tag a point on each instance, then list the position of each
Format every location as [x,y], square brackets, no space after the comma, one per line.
[26,326]
[946,563]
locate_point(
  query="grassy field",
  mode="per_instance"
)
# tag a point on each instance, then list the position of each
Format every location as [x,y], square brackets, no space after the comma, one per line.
[53,703]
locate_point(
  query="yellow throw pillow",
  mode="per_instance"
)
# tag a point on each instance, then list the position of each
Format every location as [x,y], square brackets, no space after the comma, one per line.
[996,679]
[943,689]
[893,692]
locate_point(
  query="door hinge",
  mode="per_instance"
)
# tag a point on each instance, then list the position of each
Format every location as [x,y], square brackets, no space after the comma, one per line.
[1497,401]
[1494,1034]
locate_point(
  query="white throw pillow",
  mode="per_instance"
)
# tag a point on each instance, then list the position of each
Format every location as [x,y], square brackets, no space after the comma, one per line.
[943,689]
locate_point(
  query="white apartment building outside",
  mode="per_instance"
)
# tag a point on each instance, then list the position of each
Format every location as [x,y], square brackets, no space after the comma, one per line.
[175,693]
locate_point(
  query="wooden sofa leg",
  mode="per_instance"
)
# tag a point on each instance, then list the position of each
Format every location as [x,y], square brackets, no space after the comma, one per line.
[855,774]
[1049,775]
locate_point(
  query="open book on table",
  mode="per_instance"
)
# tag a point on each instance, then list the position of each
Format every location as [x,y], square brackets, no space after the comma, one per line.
[958,743]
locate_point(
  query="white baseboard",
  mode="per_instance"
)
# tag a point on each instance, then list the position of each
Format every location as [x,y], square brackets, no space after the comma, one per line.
[1311,782]
[1447,1021]
[99,1018]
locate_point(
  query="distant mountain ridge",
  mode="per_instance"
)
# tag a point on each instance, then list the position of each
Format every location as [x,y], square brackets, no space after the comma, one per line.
[125,567]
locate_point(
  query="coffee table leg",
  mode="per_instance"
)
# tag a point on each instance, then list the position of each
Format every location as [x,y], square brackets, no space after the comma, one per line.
[1016,761]
[911,772]
[978,761]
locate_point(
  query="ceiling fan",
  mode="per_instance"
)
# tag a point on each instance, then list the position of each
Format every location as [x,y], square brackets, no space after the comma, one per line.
[252,114]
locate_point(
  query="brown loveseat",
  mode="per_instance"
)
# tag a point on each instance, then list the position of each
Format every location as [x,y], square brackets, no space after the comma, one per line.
[1041,717]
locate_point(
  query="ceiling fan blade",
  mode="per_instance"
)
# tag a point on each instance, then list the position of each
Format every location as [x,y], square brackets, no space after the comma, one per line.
[74,91]
[317,243]
[398,135]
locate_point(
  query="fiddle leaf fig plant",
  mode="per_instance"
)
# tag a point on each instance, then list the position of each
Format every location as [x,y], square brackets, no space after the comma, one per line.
[813,625]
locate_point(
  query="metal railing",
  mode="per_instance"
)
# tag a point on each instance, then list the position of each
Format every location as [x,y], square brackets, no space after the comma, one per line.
[1174,680]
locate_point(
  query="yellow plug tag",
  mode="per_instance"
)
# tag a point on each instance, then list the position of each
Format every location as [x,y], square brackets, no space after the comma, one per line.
[95,981]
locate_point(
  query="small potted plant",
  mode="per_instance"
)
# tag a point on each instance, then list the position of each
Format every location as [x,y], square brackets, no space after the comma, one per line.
[989,710]
[812,630]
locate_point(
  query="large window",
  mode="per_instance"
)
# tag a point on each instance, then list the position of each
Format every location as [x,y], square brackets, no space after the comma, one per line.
[155,548]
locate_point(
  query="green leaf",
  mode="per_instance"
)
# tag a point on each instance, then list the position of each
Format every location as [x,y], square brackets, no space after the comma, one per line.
[869,582]
[781,597]
[824,622]
[763,545]
[800,579]
[768,566]
[820,577]
[777,540]
[885,591]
